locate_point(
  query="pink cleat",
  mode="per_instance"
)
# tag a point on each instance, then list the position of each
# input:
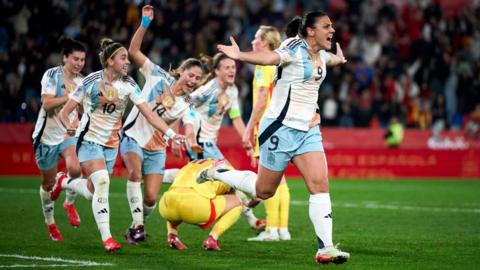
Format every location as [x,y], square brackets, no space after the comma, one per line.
[211,244]
[54,233]
[72,214]
[174,242]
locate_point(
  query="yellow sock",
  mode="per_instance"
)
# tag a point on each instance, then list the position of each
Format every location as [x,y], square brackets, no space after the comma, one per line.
[272,206]
[284,205]
[171,228]
[227,220]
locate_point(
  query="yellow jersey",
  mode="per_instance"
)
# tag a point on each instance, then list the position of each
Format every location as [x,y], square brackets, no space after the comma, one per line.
[263,77]
[187,178]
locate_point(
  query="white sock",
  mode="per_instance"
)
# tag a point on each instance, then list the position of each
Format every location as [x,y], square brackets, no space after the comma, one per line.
[147,210]
[249,215]
[70,195]
[47,206]
[135,200]
[272,230]
[100,205]
[320,211]
[170,175]
[242,180]
[78,185]
[283,230]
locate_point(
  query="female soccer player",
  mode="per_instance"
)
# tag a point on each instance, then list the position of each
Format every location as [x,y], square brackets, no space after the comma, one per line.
[142,147]
[104,95]
[50,139]
[267,38]
[285,132]
[198,204]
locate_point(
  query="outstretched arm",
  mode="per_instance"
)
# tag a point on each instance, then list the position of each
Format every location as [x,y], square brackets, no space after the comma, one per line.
[134,50]
[257,58]
[336,59]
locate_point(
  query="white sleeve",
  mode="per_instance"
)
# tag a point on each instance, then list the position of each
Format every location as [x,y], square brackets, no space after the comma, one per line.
[78,94]
[325,56]
[48,83]
[135,94]
[150,69]
[285,51]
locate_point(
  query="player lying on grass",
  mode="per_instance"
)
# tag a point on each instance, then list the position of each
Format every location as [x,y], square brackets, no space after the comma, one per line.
[203,204]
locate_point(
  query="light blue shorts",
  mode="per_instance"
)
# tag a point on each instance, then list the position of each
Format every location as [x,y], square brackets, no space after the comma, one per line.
[210,150]
[47,156]
[90,151]
[153,162]
[279,143]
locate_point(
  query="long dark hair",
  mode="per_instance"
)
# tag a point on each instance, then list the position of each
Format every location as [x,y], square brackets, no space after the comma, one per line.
[186,64]
[298,25]
[69,45]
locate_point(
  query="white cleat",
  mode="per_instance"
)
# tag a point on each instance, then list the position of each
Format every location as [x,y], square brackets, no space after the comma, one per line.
[285,236]
[208,173]
[265,236]
[331,254]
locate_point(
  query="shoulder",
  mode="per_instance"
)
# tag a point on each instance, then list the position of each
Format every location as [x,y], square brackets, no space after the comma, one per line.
[54,71]
[291,43]
[129,81]
[92,77]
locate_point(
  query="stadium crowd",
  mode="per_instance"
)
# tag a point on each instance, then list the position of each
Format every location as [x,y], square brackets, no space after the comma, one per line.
[412,59]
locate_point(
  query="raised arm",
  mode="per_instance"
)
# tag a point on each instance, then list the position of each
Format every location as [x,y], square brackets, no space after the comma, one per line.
[257,58]
[134,50]
[336,59]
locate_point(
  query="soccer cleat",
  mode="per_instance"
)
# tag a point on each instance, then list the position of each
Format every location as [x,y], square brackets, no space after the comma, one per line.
[57,188]
[207,173]
[174,242]
[135,235]
[211,244]
[54,233]
[331,254]
[72,214]
[285,236]
[260,225]
[111,245]
[265,236]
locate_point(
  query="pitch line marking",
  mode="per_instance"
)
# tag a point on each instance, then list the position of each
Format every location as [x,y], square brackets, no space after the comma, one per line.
[364,204]
[378,205]
[68,263]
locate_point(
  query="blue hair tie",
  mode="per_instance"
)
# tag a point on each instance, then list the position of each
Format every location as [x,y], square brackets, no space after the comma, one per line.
[145,21]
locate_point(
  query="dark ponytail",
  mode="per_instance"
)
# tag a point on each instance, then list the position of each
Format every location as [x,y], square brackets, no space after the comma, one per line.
[108,49]
[69,45]
[292,28]
[309,20]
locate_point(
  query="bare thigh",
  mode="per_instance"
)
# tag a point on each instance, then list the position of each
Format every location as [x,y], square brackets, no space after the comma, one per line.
[71,161]
[313,167]
[267,182]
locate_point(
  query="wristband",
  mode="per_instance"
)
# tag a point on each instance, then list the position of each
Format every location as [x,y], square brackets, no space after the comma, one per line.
[169,134]
[145,22]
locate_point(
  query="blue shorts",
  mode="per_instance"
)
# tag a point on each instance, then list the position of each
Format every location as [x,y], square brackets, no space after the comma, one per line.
[210,150]
[47,156]
[153,162]
[279,143]
[90,151]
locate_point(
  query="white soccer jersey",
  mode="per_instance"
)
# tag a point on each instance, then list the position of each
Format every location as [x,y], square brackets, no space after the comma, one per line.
[157,84]
[102,117]
[294,99]
[211,104]
[48,128]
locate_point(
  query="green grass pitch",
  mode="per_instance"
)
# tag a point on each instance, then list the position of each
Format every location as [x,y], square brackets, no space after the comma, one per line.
[383,224]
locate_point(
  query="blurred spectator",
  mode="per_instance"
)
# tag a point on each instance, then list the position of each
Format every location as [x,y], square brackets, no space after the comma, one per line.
[402,54]
[394,134]
[473,124]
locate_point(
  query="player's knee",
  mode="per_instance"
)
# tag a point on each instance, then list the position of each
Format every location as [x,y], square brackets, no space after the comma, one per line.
[101,182]
[74,171]
[135,175]
[150,199]
[264,193]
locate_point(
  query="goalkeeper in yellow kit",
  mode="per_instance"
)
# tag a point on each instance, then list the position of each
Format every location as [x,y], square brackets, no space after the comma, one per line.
[199,204]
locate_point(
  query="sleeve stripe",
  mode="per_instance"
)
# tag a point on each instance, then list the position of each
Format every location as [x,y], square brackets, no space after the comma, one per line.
[292,45]
[292,41]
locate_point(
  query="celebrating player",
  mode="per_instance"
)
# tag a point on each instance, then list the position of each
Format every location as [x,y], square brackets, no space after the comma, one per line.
[198,204]
[50,138]
[285,131]
[104,95]
[142,147]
